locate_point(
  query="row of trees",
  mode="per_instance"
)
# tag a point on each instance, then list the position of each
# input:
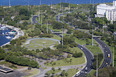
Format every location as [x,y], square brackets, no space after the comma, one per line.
[22,61]
[19,60]
[80,35]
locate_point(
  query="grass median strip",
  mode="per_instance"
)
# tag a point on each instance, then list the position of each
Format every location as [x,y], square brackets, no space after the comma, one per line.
[67,62]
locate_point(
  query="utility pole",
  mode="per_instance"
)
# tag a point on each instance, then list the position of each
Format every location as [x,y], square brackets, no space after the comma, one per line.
[92,25]
[62,36]
[113,46]
[69,7]
[92,35]
[47,26]
[62,30]
[97,66]
[113,54]
[40,14]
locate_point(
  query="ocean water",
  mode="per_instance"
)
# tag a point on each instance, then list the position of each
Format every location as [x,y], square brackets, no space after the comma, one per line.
[48,2]
[3,39]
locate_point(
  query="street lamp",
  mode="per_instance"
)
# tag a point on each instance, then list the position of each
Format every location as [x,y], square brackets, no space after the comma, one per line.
[113,54]
[97,65]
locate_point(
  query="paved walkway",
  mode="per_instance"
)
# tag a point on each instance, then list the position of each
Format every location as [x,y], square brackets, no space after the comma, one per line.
[42,72]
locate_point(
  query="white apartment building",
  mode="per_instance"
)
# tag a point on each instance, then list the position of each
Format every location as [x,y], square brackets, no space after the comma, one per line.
[107,11]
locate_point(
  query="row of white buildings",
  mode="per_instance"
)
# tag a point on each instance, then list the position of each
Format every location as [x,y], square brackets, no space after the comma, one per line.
[107,11]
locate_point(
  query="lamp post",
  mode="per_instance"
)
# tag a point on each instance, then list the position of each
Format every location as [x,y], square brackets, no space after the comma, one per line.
[113,54]
[97,65]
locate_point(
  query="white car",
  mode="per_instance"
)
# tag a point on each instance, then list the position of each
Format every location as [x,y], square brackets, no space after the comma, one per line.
[108,55]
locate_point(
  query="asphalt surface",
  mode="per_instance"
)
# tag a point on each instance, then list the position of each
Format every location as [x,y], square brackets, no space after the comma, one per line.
[89,58]
[88,54]
[34,20]
[106,51]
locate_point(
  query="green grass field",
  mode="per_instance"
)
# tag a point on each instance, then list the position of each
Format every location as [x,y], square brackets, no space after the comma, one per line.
[51,71]
[79,41]
[71,72]
[56,37]
[66,62]
[83,30]
[31,72]
[75,49]
[91,73]
[82,42]
[94,49]
[40,44]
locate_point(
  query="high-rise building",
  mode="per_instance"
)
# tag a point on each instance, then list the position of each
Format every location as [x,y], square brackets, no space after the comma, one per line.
[107,11]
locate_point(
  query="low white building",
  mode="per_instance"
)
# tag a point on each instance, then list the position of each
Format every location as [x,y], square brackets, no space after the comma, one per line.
[107,11]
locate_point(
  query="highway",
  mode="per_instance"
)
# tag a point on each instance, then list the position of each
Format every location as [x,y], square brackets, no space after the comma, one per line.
[88,54]
[89,58]
[106,52]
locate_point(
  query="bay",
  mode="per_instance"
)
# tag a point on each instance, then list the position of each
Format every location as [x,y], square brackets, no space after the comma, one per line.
[48,2]
[3,36]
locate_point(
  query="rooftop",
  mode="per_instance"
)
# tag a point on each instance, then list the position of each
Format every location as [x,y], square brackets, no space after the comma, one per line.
[5,69]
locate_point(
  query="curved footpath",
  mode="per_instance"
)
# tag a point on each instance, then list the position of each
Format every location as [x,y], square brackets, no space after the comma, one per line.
[18,31]
[106,52]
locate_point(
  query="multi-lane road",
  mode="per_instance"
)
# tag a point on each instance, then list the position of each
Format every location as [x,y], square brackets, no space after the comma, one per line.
[106,52]
[89,59]
[88,54]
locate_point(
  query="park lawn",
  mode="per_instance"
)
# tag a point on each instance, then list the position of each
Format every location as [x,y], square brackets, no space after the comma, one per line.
[91,73]
[40,44]
[94,49]
[51,71]
[110,47]
[82,42]
[56,30]
[56,37]
[71,72]
[75,49]
[33,47]
[42,41]
[39,21]
[94,42]
[79,41]
[83,30]
[65,62]
[10,65]
[7,64]
[31,72]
